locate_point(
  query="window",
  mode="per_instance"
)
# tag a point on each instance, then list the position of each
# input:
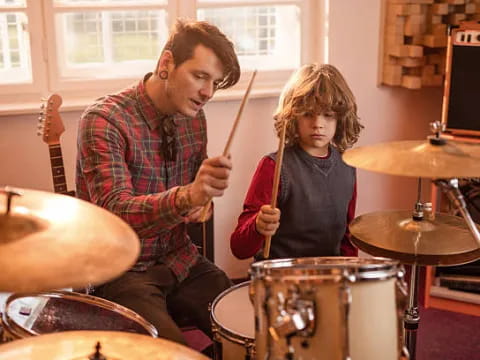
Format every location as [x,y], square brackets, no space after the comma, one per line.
[86,48]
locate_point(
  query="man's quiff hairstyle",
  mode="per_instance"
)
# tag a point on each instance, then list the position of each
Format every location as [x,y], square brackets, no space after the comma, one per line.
[317,89]
[187,34]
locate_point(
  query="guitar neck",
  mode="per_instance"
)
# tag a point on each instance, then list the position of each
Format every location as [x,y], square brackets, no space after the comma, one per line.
[58,171]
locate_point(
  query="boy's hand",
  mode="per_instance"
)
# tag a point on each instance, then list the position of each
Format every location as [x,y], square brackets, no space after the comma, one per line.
[267,220]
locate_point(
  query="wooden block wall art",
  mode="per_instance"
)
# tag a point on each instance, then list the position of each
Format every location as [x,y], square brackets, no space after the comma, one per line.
[415,39]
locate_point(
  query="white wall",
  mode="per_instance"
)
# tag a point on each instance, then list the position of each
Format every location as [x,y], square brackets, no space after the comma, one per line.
[387,113]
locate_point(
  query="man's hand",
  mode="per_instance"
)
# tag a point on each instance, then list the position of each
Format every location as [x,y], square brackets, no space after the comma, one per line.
[267,220]
[211,180]
[195,214]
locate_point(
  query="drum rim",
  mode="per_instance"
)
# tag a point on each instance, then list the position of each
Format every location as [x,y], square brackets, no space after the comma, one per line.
[230,334]
[354,268]
[10,325]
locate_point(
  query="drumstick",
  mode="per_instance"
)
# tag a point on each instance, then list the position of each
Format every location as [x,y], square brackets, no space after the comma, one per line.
[276,182]
[226,150]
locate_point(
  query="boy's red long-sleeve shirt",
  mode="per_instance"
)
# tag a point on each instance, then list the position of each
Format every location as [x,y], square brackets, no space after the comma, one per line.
[245,241]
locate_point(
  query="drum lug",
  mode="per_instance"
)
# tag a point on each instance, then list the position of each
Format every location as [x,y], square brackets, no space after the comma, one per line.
[345,301]
[298,318]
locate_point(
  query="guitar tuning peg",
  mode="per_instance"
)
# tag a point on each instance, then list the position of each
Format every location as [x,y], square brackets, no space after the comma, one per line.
[40,118]
[39,133]
[40,126]
[43,105]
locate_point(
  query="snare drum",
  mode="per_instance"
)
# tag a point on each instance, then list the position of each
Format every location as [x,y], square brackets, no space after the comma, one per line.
[328,308]
[233,324]
[27,315]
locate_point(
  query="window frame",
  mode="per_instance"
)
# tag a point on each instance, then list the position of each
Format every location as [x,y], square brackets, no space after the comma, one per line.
[24,98]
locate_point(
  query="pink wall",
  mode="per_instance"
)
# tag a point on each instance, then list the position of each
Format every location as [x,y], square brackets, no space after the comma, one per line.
[387,113]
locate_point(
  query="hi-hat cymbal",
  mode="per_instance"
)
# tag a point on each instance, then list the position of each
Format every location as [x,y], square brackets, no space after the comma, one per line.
[80,345]
[51,241]
[418,159]
[446,240]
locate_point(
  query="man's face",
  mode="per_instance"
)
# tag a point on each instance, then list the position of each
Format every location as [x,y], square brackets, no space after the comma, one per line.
[193,83]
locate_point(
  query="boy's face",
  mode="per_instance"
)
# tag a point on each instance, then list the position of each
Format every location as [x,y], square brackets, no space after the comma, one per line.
[191,85]
[316,131]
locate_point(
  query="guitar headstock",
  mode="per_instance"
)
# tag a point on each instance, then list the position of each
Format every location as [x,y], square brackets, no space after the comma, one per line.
[50,125]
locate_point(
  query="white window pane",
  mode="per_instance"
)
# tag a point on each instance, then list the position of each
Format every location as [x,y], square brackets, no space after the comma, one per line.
[265,37]
[227,2]
[12,3]
[101,2]
[14,49]
[117,42]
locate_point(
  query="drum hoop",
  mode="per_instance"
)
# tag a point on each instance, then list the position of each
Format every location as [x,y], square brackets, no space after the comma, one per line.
[218,328]
[18,330]
[336,267]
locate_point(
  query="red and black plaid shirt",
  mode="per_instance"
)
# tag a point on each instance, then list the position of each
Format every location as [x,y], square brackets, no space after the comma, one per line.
[121,167]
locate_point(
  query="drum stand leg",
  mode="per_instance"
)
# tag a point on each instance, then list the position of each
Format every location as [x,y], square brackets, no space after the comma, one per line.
[412,317]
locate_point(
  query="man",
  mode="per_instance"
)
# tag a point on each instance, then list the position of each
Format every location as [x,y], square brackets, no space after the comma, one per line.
[142,155]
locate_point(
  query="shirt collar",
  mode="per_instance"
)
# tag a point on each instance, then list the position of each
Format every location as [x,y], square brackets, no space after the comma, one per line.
[151,115]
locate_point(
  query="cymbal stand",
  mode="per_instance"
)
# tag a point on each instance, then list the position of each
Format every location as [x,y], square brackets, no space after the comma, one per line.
[450,188]
[10,193]
[411,317]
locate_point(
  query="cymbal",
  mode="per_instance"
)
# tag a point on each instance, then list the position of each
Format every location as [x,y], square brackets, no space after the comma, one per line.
[79,345]
[52,241]
[418,159]
[446,240]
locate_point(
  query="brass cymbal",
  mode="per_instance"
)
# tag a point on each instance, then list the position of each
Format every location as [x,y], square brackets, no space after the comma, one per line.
[418,159]
[446,240]
[79,345]
[51,241]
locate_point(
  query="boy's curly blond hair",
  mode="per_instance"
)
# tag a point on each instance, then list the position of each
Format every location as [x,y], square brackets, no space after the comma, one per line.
[318,89]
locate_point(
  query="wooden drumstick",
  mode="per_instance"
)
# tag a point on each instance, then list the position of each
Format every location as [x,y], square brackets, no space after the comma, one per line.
[276,183]
[226,150]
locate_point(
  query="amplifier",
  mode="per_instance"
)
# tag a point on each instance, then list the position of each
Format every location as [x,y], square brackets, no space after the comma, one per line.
[461,100]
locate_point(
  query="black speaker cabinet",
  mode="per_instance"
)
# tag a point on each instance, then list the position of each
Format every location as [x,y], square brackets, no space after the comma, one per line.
[461,108]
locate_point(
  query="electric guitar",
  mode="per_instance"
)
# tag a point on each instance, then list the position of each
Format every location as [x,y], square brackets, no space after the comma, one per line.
[50,127]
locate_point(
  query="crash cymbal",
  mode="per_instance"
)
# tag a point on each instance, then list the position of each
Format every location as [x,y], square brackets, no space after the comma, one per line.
[51,241]
[80,345]
[418,159]
[446,240]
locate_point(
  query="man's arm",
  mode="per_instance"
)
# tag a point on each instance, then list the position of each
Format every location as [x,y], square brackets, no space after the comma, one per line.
[102,166]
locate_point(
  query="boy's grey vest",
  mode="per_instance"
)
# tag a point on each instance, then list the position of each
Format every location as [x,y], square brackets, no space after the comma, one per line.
[314,198]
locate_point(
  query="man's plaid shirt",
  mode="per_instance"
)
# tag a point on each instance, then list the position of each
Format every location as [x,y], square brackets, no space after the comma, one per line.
[121,167]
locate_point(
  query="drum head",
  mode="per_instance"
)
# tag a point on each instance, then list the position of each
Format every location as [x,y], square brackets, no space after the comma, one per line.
[81,344]
[44,313]
[233,311]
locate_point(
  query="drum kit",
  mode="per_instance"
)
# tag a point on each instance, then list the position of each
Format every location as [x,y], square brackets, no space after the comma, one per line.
[356,308]
[304,308]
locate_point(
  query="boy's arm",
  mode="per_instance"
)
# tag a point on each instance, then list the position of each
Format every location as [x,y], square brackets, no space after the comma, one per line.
[245,241]
[347,248]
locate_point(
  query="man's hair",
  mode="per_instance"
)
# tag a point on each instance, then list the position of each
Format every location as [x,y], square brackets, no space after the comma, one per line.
[187,34]
[316,89]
